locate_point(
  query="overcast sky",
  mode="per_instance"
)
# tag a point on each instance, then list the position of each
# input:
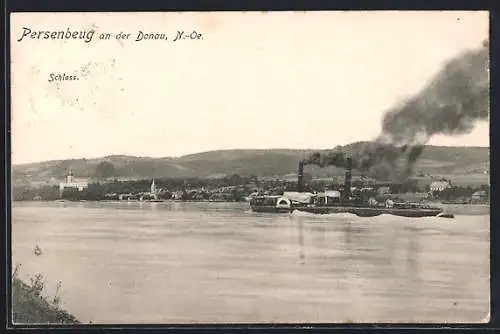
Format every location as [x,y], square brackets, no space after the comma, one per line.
[256,80]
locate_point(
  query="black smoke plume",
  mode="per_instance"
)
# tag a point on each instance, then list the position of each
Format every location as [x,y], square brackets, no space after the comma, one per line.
[450,104]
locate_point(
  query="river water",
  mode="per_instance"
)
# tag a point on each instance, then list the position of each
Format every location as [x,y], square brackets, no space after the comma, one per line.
[174,262]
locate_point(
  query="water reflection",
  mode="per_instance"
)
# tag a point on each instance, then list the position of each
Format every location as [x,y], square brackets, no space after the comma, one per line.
[412,257]
[302,254]
[354,240]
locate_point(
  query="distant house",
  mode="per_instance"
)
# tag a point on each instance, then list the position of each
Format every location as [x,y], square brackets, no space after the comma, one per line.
[363,181]
[479,196]
[383,190]
[111,196]
[177,195]
[198,196]
[123,197]
[438,186]
[220,197]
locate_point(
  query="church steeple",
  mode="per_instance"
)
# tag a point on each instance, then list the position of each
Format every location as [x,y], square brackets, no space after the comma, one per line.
[153,190]
[153,187]
[69,178]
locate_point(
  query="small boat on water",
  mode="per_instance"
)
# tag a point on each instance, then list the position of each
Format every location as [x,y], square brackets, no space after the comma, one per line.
[37,250]
[340,202]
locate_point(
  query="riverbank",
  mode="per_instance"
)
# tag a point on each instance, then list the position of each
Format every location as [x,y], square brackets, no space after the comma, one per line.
[466,209]
[29,308]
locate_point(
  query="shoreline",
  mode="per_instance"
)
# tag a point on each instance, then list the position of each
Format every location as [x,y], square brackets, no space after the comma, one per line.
[467,209]
[213,201]
[31,309]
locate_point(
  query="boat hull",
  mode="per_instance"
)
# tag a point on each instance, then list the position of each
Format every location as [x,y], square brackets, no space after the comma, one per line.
[270,209]
[361,212]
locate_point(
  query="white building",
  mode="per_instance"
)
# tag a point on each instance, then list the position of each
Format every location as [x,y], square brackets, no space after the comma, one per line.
[384,190]
[439,186]
[70,183]
[479,195]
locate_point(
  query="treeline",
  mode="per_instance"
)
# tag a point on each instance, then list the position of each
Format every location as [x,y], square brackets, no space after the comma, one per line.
[25,193]
[98,190]
[465,194]
[232,188]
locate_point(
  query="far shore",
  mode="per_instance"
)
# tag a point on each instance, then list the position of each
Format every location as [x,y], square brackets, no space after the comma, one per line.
[456,208]
[211,201]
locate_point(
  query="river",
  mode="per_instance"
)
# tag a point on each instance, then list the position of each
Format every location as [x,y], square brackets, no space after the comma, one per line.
[122,263]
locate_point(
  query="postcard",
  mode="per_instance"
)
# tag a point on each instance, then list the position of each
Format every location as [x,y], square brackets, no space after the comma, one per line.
[250,167]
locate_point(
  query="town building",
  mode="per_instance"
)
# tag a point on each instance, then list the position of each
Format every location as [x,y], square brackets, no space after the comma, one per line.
[438,186]
[479,196]
[383,190]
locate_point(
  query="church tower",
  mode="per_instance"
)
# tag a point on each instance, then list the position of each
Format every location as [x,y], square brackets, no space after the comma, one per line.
[153,189]
[69,178]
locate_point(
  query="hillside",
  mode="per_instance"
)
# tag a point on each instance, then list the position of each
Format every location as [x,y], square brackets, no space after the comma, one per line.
[435,160]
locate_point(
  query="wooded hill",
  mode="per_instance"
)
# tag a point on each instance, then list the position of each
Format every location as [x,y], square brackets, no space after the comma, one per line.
[435,160]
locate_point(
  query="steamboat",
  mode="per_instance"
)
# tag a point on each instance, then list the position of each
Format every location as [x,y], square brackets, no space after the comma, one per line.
[341,201]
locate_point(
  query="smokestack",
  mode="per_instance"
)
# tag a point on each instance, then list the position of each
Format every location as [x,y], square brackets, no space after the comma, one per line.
[348,178]
[300,176]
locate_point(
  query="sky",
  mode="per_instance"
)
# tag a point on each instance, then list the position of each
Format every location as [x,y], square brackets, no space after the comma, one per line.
[257,80]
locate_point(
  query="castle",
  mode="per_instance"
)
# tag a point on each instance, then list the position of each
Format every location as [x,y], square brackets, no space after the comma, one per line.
[70,183]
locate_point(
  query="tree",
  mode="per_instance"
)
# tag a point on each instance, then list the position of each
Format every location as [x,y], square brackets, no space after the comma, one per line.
[235,180]
[94,192]
[104,169]
[72,194]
